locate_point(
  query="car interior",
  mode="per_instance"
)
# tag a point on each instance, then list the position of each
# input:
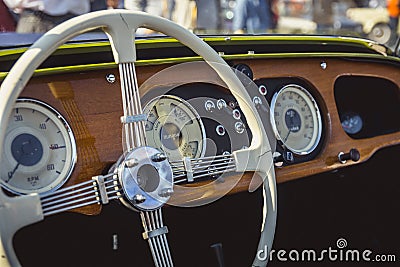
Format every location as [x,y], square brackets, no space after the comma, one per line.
[197,150]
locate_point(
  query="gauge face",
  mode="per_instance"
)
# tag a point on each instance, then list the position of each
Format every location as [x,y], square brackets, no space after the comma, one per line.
[39,149]
[296,119]
[174,127]
[351,123]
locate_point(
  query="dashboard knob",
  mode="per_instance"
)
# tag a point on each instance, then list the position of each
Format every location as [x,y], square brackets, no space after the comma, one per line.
[353,155]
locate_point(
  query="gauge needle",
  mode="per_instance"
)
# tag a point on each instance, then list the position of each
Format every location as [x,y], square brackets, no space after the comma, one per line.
[287,136]
[11,174]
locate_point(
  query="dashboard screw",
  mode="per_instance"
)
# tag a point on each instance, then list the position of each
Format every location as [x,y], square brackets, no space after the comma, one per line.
[131,163]
[110,78]
[166,192]
[324,65]
[159,157]
[139,199]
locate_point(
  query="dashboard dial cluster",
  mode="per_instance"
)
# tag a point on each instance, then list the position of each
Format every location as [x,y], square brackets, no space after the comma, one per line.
[197,119]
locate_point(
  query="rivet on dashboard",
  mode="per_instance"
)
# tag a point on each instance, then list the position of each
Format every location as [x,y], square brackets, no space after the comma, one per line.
[250,52]
[220,130]
[110,78]
[262,89]
[324,65]
[236,114]
[221,54]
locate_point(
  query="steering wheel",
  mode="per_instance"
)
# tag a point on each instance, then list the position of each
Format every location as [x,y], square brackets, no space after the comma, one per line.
[120,26]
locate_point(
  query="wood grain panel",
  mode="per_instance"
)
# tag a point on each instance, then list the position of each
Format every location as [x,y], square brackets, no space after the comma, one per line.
[98,104]
[323,81]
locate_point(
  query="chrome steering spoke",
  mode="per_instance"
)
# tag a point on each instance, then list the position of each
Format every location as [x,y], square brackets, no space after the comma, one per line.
[188,170]
[156,235]
[133,119]
[81,195]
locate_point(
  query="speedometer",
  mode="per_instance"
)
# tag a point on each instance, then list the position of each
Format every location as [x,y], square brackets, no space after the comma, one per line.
[174,127]
[296,119]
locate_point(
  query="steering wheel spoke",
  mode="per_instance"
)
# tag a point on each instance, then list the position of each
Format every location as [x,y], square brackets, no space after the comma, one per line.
[156,234]
[99,190]
[133,118]
[189,170]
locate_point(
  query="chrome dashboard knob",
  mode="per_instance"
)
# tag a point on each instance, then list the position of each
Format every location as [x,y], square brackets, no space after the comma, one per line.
[353,155]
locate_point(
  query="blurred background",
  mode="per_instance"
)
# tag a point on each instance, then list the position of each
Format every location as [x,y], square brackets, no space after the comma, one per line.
[372,19]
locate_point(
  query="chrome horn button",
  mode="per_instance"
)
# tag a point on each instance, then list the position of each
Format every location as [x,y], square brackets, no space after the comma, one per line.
[146,178]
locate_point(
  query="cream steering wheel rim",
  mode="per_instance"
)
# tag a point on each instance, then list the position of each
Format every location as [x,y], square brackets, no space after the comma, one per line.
[120,26]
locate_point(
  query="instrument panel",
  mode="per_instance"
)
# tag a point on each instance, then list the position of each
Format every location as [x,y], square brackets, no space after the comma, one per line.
[225,128]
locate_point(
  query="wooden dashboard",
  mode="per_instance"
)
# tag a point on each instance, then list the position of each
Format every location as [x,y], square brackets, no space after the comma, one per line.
[92,106]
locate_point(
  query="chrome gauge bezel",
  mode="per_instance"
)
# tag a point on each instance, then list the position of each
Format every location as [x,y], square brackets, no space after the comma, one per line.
[196,115]
[317,119]
[67,134]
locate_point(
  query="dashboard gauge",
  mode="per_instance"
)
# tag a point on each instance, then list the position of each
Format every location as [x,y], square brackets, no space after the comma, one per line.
[245,69]
[39,149]
[351,123]
[174,127]
[296,119]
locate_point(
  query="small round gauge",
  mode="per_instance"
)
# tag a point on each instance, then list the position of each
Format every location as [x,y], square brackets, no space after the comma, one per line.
[351,123]
[245,69]
[296,119]
[39,149]
[174,127]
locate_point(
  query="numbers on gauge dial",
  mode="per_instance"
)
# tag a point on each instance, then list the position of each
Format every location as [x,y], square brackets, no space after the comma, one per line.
[39,149]
[296,119]
[174,127]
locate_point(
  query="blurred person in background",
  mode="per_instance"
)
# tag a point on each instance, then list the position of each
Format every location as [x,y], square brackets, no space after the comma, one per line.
[170,9]
[38,16]
[393,7]
[323,14]
[7,22]
[208,12]
[96,5]
[154,7]
[185,13]
[253,16]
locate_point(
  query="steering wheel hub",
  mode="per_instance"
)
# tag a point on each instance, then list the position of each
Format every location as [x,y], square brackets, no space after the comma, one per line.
[146,178]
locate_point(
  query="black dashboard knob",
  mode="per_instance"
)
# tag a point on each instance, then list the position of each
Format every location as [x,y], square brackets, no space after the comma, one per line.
[353,155]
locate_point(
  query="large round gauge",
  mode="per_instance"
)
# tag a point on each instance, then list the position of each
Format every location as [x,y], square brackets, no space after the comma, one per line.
[296,119]
[174,127]
[39,149]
